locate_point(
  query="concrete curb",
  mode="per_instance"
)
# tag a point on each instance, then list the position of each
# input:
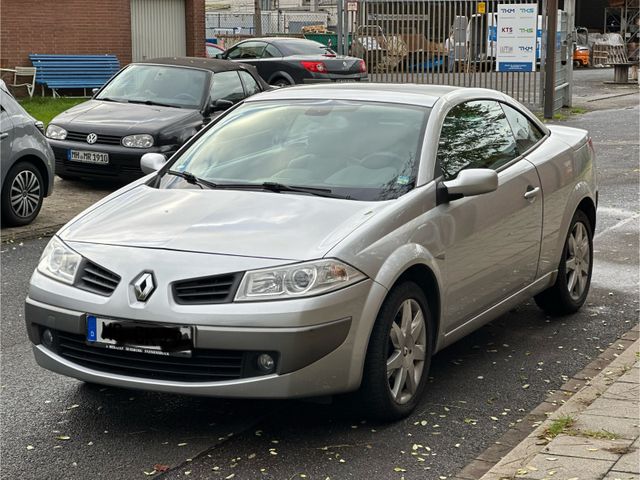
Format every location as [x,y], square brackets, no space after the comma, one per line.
[9,237]
[522,442]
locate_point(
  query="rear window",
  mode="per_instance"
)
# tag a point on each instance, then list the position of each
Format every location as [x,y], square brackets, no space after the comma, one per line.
[305,48]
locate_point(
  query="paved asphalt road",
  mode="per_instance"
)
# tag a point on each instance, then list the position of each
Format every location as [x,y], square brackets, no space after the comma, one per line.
[55,427]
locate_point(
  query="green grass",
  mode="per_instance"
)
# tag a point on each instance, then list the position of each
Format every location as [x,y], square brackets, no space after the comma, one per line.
[45,108]
[558,426]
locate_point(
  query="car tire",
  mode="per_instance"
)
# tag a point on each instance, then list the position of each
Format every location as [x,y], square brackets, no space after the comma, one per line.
[570,291]
[384,394]
[281,82]
[22,194]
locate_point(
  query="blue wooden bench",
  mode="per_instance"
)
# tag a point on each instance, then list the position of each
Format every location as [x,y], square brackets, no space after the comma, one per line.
[59,72]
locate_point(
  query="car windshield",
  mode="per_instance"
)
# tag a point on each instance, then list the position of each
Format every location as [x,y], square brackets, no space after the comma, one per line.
[307,48]
[352,149]
[157,84]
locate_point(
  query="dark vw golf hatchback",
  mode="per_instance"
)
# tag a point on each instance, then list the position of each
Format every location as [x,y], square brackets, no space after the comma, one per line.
[152,106]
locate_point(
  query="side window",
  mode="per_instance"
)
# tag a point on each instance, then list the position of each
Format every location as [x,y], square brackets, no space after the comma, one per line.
[271,51]
[227,86]
[247,50]
[526,133]
[475,135]
[250,84]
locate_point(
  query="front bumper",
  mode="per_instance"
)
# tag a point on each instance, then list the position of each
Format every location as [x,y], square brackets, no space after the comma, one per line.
[124,162]
[320,342]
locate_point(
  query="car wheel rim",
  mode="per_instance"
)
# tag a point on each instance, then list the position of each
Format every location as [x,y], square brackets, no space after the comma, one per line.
[578,261]
[407,351]
[25,193]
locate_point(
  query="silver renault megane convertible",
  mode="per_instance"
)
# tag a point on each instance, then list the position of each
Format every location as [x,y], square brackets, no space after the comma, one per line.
[319,240]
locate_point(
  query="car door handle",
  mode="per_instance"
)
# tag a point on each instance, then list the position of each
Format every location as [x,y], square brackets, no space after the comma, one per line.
[531,193]
[4,135]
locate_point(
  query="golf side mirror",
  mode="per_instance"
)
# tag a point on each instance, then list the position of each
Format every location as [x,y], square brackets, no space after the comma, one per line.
[152,162]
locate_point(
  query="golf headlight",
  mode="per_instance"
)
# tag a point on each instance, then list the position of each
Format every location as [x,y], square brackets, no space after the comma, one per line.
[138,141]
[59,262]
[298,280]
[56,133]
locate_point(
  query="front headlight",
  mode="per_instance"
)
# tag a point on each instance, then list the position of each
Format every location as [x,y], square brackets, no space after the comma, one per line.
[59,262]
[56,133]
[138,141]
[298,280]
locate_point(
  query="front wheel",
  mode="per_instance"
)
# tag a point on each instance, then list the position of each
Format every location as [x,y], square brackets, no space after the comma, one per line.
[399,355]
[22,194]
[570,291]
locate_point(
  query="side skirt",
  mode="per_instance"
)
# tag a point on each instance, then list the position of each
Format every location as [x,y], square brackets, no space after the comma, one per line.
[498,309]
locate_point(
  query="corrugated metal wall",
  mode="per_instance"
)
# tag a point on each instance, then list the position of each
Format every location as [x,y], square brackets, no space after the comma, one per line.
[158,29]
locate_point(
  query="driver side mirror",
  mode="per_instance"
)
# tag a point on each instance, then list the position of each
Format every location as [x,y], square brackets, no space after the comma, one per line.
[219,55]
[470,182]
[152,162]
[220,105]
[94,91]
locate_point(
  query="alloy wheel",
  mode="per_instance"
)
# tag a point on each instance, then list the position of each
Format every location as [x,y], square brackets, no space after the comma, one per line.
[578,260]
[407,347]
[25,193]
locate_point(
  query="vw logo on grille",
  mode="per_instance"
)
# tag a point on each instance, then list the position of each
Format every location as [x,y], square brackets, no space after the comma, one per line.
[144,286]
[92,138]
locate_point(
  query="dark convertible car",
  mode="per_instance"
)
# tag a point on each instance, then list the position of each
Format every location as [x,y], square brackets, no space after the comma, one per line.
[150,106]
[289,61]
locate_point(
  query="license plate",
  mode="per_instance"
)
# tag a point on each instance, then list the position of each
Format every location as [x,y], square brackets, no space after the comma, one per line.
[88,157]
[140,337]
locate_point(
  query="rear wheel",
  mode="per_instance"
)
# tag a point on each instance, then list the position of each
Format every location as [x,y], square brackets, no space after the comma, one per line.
[570,291]
[22,194]
[281,82]
[398,356]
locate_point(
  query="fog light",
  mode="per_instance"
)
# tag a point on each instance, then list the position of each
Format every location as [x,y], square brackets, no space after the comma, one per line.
[266,362]
[47,338]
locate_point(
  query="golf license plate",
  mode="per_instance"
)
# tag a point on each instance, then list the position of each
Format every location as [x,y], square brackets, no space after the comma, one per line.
[140,337]
[88,157]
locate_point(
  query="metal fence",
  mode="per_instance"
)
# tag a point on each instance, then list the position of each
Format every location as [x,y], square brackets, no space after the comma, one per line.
[440,42]
[273,22]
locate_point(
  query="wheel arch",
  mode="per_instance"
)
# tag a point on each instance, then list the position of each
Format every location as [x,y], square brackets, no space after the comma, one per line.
[281,74]
[424,277]
[588,206]
[412,262]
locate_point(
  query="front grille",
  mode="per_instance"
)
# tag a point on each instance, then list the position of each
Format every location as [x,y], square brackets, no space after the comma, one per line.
[96,279]
[203,366]
[207,290]
[102,139]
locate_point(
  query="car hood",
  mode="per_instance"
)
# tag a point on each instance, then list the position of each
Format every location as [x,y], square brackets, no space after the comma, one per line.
[229,222]
[98,115]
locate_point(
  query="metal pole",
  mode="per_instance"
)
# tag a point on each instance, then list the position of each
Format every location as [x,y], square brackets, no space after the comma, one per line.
[257,18]
[340,27]
[550,58]
[570,9]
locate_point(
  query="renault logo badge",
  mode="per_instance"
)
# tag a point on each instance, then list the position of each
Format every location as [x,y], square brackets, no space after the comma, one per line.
[92,138]
[144,286]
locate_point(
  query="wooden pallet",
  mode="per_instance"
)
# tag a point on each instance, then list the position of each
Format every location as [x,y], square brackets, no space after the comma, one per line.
[603,55]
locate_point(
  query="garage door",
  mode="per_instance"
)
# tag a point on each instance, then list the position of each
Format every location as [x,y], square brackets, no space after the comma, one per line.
[157,29]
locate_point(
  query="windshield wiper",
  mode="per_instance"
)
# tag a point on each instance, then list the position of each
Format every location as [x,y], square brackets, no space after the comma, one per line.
[269,186]
[281,187]
[192,179]
[151,102]
[109,99]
